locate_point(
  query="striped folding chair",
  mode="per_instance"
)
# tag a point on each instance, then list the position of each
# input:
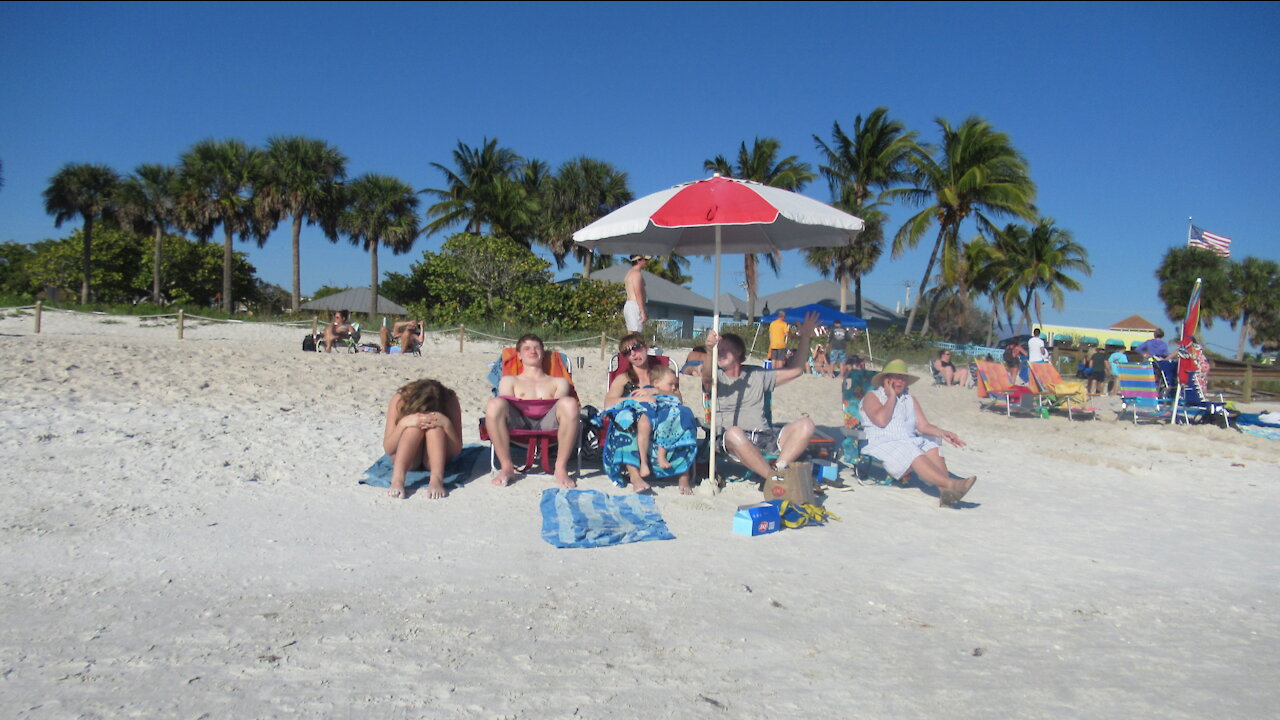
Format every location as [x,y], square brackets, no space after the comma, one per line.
[1140,393]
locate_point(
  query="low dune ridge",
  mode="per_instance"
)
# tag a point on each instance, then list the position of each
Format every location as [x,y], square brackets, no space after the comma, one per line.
[182,535]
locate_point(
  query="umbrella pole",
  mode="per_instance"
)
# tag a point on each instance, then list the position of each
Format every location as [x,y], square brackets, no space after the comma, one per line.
[715,371]
[870,357]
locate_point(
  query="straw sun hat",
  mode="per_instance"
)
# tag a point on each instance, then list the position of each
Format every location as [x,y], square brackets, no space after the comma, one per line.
[893,367]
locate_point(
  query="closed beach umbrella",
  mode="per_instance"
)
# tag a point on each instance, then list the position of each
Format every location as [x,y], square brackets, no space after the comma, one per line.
[715,216]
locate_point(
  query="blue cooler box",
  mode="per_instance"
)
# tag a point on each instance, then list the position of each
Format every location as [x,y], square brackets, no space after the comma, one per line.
[757,519]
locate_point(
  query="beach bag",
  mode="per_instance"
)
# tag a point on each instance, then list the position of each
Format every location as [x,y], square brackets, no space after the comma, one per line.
[793,484]
[309,343]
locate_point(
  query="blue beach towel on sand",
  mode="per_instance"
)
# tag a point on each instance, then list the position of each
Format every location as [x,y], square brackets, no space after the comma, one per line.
[456,470]
[588,518]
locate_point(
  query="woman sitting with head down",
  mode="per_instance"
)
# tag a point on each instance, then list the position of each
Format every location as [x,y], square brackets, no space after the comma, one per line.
[423,430]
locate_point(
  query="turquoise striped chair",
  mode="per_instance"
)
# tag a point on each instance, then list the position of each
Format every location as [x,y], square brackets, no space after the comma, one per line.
[1140,393]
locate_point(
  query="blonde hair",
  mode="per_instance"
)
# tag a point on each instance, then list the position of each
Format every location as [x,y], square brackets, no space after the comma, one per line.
[657,372]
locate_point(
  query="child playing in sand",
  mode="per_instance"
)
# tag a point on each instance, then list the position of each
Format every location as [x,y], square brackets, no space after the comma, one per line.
[662,431]
[424,429]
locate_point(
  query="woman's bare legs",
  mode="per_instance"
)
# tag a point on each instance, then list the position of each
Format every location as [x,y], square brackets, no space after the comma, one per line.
[932,468]
[435,457]
[644,439]
[409,455]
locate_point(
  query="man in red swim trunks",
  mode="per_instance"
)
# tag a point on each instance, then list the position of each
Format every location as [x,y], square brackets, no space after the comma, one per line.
[533,383]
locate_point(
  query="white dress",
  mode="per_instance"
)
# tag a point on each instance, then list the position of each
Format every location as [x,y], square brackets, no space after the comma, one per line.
[898,443]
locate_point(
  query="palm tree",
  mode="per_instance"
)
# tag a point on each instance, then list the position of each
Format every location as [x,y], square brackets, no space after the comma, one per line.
[875,158]
[479,192]
[762,165]
[1177,274]
[87,191]
[217,181]
[1254,282]
[583,190]
[1038,260]
[977,173]
[849,262]
[379,210]
[300,178]
[148,202]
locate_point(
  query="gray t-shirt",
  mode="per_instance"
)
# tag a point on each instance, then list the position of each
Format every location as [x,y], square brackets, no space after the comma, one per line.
[741,399]
[839,338]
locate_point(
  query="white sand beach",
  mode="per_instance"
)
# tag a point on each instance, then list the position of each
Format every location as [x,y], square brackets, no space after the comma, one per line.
[182,536]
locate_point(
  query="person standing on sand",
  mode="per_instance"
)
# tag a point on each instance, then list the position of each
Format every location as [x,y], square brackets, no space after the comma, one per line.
[1036,351]
[778,332]
[424,429]
[896,431]
[533,383]
[633,312]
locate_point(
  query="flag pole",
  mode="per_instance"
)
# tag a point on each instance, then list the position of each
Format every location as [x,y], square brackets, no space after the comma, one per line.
[1188,229]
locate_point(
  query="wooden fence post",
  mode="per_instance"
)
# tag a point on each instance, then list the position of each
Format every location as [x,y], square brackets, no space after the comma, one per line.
[462,337]
[601,344]
[181,320]
[39,310]
[1247,392]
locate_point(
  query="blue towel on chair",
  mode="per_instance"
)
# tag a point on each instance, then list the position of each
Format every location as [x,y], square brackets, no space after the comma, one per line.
[588,518]
[456,470]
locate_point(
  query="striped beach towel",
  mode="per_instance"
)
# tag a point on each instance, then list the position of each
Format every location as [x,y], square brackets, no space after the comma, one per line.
[589,518]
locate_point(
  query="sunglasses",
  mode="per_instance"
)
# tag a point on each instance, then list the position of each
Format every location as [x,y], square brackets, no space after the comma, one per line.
[633,348]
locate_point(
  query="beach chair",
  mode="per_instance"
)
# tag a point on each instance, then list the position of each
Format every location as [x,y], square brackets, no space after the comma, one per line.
[993,384]
[1188,404]
[537,444]
[1140,393]
[1064,394]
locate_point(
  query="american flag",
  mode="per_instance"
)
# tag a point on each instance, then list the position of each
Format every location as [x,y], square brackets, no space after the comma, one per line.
[1201,238]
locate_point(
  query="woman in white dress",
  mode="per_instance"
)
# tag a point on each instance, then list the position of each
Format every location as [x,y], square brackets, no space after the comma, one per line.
[897,433]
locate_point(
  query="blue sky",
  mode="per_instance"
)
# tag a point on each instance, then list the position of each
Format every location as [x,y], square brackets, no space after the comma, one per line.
[1132,116]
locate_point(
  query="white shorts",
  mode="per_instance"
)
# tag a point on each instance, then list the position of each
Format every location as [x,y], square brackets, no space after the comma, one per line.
[631,316]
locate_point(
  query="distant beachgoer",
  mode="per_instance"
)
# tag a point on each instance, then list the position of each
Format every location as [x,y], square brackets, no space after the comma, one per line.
[1036,350]
[839,345]
[1013,355]
[1099,372]
[778,331]
[406,333]
[633,312]
[1156,347]
[340,329]
[896,430]
[424,429]
[1113,361]
[950,374]
[693,362]
[819,363]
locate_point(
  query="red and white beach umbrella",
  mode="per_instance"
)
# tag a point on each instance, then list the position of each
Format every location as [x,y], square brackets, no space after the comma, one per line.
[716,216]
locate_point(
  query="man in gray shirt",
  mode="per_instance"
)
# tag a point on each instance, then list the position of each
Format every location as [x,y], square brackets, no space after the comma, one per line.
[741,391]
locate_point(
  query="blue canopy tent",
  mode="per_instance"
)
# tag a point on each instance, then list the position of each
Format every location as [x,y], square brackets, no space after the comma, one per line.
[826,316]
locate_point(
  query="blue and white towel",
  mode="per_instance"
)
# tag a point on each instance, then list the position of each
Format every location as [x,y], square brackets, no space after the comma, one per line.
[589,518]
[673,428]
[458,468]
